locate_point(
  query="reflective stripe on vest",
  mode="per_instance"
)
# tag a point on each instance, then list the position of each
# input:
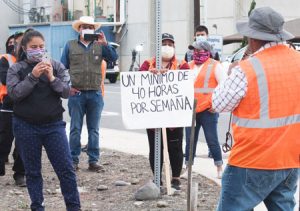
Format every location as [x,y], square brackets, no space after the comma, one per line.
[205,88]
[264,121]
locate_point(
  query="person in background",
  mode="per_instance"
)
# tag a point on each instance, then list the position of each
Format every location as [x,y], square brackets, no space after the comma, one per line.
[36,86]
[201,34]
[262,91]
[6,113]
[208,74]
[174,135]
[83,58]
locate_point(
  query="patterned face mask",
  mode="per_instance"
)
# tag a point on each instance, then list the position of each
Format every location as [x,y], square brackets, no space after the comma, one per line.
[35,55]
[200,57]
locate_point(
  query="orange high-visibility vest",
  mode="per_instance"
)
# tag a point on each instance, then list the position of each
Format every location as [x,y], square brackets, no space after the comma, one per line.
[205,84]
[11,60]
[174,64]
[266,123]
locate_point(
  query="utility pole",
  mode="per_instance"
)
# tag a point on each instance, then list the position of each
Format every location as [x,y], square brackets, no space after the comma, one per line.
[196,13]
[155,40]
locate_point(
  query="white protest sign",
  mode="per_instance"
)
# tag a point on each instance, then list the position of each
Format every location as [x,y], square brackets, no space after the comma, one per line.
[216,41]
[157,100]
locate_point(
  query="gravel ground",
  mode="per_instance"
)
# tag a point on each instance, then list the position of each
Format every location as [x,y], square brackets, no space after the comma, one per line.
[132,169]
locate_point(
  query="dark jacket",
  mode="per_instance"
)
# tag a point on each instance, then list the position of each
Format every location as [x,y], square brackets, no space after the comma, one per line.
[7,103]
[37,101]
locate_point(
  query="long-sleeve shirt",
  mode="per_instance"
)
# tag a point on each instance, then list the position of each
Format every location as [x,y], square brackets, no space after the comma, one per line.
[37,100]
[108,53]
[7,103]
[228,94]
[18,88]
[3,70]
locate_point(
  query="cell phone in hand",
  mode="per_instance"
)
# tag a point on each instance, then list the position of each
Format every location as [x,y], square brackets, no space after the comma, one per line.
[101,35]
[91,37]
[46,57]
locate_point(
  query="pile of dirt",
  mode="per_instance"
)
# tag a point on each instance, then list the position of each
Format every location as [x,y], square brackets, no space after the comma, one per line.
[110,190]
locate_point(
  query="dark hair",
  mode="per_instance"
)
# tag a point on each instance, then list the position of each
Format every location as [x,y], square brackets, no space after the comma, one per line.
[7,41]
[29,29]
[201,28]
[18,34]
[28,35]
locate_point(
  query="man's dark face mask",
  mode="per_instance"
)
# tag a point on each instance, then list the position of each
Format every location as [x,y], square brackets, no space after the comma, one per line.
[11,49]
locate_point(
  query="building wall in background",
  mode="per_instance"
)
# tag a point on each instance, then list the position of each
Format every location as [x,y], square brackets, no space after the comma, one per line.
[58,34]
[176,20]
[226,16]
[7,17]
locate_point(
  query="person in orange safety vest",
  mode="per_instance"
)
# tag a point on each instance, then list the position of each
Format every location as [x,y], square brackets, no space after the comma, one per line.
[6,113]
[208,74]
[263,93]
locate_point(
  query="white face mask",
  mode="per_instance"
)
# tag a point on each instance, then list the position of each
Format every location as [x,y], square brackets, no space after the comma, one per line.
[87,31]
[201,38]
[167,52]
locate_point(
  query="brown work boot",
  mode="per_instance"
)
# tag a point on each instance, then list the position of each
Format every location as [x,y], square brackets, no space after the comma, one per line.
[95,167]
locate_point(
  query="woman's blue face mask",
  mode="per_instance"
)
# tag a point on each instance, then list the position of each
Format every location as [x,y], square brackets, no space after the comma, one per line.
[35,55]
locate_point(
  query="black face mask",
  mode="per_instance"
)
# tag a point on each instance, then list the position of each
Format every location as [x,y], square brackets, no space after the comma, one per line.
[11,49]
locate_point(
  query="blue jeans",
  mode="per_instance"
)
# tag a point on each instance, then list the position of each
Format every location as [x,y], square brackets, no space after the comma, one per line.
[89,103]
[209,123]
[244,188]
[30,139]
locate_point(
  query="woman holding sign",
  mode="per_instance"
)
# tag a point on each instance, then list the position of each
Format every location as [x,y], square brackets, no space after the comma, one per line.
[174,135]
